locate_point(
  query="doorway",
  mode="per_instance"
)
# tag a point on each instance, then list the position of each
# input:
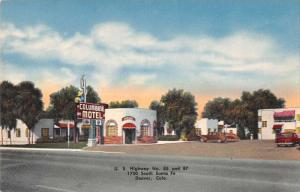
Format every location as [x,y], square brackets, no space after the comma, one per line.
[129,136]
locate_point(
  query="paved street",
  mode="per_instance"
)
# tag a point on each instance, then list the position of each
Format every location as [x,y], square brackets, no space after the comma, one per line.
[54,171]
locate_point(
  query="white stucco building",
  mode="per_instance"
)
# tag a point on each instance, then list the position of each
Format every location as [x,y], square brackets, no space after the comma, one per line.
[129,126]
[272,121]
[205,126]
[20,135]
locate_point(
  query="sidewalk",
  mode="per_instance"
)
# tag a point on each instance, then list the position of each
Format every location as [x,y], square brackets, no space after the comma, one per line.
[141,144]
[38,149]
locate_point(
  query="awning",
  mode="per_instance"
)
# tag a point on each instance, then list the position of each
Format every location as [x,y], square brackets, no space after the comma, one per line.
[65,125]
[290,113]
[129,126]
[85,126]
[278,126]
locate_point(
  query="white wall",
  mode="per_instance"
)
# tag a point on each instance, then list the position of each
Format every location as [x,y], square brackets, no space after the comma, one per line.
[14,139]
[139,115]
[42,123]
[205,123]
[267,115]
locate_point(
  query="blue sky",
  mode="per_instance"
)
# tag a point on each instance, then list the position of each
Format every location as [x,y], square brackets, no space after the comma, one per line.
[211,48]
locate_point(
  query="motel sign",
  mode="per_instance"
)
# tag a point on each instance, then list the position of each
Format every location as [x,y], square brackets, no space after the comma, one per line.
[90,110]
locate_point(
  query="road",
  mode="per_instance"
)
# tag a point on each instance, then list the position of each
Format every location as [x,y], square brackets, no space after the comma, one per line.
[58,171]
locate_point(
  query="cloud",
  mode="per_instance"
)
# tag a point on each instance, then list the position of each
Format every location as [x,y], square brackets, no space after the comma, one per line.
[11,73]
[111,46]
[141,79]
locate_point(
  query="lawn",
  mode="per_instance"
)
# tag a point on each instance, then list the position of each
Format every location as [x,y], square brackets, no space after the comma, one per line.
[51,145]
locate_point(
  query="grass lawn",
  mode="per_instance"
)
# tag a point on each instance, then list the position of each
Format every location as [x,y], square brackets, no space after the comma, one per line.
[51,145]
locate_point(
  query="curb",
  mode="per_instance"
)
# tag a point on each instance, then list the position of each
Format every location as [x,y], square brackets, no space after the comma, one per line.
[37,149]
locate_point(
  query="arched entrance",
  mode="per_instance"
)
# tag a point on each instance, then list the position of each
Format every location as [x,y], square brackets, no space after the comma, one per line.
[129,133]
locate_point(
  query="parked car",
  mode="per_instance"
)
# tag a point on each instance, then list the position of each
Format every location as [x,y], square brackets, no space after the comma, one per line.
[214,137]
[219,137]
[231,137]
[287,139]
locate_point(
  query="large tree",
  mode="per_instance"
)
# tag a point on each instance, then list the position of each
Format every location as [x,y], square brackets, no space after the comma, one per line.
[92,96]
[260,99]
[218,108]
[123,104]
[7,106]
[29,104]
[180,110]
[160,115]
[242,112]
[62,103]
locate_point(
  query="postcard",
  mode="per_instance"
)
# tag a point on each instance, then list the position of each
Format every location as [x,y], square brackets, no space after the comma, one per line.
[149,95]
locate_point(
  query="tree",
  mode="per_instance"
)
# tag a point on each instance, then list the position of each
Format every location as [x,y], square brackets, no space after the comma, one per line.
[260,99]
[123,104]
[160,115]
[62,103]
[218,108]
[29,104]
[243,112]
[92,96]
[7,106]
[180,110]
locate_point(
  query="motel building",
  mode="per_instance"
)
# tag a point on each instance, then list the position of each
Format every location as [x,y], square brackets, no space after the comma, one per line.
[43,130]
[121,126]
[204,126]
[129,126]
[273,121]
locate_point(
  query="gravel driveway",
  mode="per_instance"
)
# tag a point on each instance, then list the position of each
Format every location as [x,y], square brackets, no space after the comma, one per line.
[256,149]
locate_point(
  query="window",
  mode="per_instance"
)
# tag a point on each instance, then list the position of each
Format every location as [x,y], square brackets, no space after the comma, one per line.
[264,124]
[57,131]
[259,118]
[18,132]
[8,134]
[145,127]
[27,132]
[198,131]
[45,132]
[111,128]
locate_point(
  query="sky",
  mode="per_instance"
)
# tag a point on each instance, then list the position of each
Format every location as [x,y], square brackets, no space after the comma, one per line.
[140,49]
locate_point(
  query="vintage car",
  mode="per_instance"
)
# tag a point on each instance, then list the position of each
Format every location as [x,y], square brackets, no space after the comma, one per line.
[231,137]
[214,137]
[287,139]
[219,137]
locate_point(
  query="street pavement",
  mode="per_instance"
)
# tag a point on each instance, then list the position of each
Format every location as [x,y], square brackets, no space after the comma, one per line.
[74,171]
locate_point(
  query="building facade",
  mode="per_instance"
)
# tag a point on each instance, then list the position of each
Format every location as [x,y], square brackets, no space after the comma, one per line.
[43,130]
[273,121]
[205,126]
[129,126]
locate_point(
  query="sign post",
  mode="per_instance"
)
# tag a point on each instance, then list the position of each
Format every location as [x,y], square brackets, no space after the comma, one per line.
[68,124]
[94,112]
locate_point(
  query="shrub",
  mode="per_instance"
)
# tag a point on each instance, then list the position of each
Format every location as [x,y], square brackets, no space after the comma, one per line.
[192,136]
[167,138]
[183,137]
